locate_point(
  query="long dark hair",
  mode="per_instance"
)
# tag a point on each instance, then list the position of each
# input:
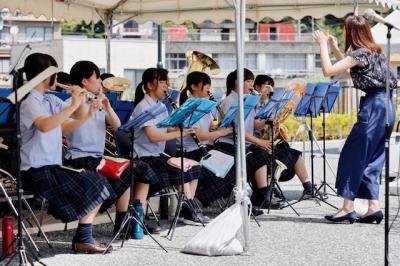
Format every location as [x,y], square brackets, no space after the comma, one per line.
[232,77]
[35,64]
[150,75]
[83,70]
[358,34]
[196,78]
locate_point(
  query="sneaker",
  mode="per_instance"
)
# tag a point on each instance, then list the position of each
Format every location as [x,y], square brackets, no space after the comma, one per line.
[307,194]
[256,211]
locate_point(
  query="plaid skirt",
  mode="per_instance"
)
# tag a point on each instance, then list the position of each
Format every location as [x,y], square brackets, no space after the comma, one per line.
[255,158]
[169,175]
[288,157]
[142,173]
[212,187]
[71,194]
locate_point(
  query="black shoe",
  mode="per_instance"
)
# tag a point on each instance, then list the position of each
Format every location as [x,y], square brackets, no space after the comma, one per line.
[350,217]
[372,218]
[190,217]
[266,200]
[256,211]
[307,194]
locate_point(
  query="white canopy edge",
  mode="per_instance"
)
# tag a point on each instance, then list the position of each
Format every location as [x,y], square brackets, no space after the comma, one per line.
[179,11]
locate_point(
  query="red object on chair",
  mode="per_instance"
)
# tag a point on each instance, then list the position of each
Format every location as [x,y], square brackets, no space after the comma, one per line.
[112,167]
[8,236]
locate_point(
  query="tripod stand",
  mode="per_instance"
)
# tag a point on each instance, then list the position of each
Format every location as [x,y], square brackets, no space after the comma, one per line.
[310,105]
[131,214]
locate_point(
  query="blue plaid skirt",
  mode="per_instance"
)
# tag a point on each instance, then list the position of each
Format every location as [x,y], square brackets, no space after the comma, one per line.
[212,187]
[142,173]
[71,194]
[169,175]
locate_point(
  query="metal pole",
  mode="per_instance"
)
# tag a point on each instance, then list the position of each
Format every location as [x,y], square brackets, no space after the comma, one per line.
[241,177]
[356,4]
[108,25]
[387,142]
[159,46]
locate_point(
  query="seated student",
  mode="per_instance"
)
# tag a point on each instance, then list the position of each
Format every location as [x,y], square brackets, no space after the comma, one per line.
[198,85]
[86,144]
[291,158]
[150,140]
[257,158]
[103,77]
[63,78]
[72,195]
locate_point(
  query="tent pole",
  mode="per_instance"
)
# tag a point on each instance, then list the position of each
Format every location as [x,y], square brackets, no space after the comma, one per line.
[241,175]
[108,26]
[159,46]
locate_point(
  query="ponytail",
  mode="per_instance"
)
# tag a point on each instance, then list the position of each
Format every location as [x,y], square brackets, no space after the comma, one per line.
[20,77]
[139,93]
[184,95]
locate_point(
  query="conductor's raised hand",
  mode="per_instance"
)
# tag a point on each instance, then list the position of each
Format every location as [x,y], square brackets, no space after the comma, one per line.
[320,37]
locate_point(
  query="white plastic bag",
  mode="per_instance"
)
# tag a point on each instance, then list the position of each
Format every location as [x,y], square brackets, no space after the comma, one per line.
[218,238]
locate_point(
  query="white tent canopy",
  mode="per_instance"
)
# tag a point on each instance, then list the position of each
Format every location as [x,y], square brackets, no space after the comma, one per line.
[379,30]
[182,10]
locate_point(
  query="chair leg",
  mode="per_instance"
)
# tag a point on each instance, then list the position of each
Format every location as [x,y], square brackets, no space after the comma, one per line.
[41,214]
[154,214]
[65,227]
[109,216]
[36,222]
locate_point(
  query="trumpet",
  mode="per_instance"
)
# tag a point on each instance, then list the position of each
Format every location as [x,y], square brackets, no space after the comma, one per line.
[193,135]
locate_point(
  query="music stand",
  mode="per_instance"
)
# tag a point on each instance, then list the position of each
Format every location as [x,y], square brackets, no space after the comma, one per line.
[185,116]
[269,113]
[310,105]
[326,107]
[131,214]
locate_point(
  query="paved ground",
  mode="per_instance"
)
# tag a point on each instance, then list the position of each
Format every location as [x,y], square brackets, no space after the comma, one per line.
[282,239]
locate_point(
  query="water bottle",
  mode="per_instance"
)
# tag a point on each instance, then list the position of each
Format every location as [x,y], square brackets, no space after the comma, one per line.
[8,236]
[137,229]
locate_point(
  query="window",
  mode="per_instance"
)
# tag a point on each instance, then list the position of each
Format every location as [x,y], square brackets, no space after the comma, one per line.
[4,65]
[135,76]
[273,34]
[227,62]
[317,61]
[398,71]
[286,63]
[175,61]
[37,34]
[225,34]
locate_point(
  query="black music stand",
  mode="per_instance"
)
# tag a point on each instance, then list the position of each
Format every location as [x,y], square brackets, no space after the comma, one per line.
[310,105]
[326,107]
[131,214]
[269,113]
[183,117]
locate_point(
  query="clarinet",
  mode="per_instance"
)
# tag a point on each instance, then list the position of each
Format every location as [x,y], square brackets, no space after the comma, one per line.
[193,135]
[211,97]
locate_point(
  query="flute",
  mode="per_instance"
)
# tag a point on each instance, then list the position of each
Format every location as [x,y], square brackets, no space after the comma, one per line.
[193,135]
[89,96]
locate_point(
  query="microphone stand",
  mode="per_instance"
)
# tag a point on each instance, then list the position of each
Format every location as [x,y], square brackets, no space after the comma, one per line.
[387,143]
[23,258]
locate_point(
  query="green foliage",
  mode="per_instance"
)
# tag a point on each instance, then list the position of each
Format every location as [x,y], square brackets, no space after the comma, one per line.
[91,30]
[337,126]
